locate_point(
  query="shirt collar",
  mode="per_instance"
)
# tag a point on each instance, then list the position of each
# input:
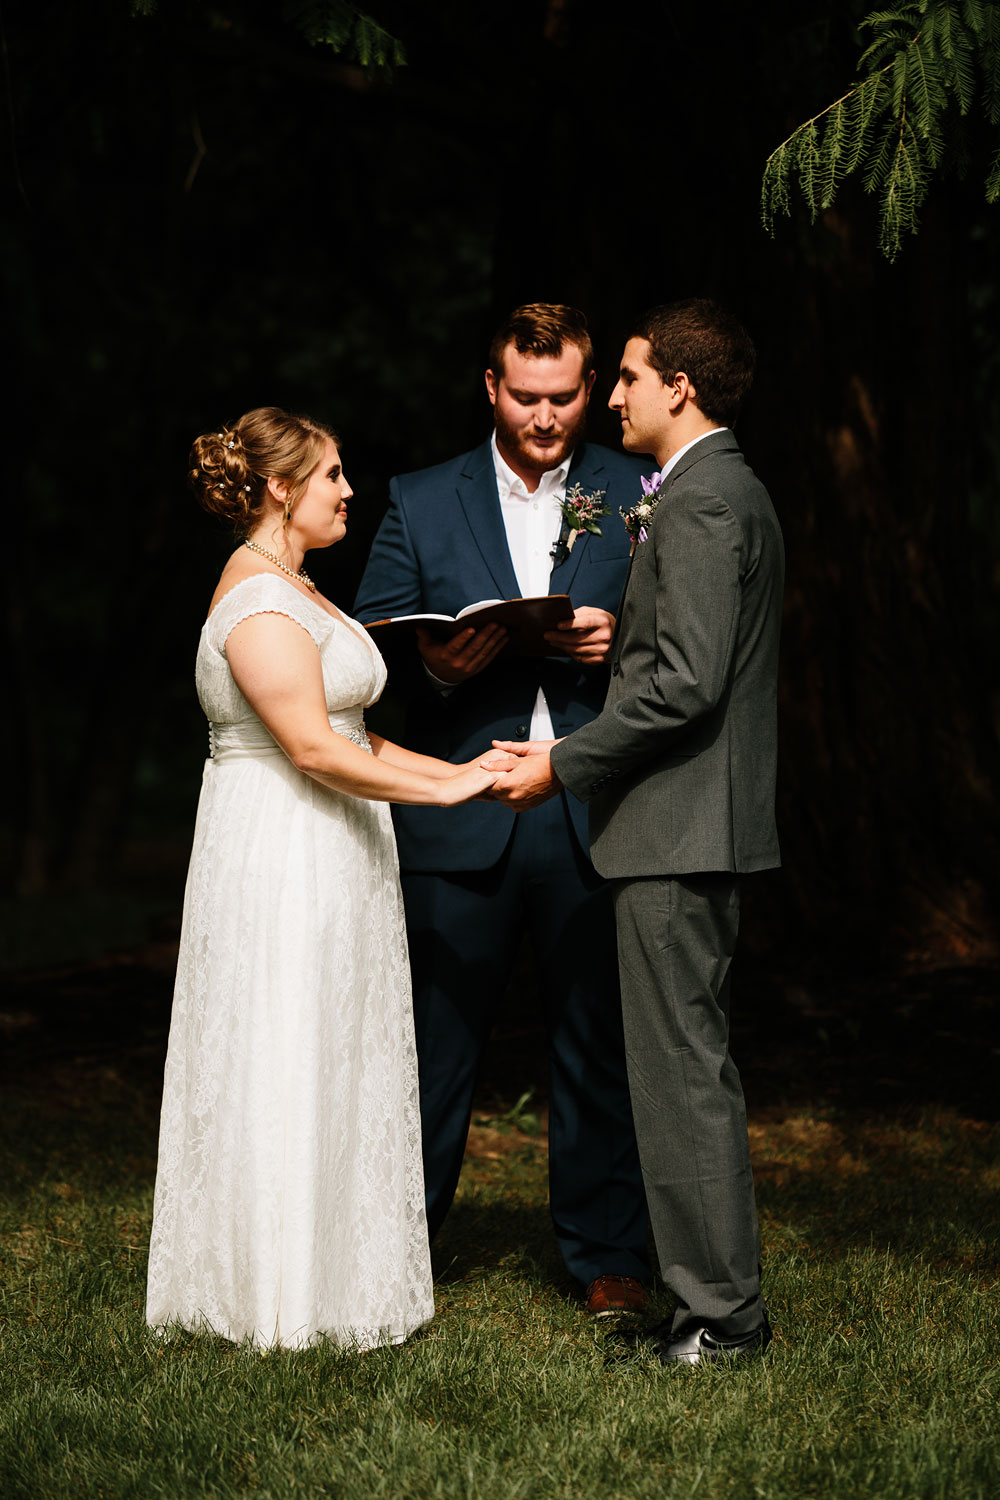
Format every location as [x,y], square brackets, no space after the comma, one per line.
[552,482]
[676,457]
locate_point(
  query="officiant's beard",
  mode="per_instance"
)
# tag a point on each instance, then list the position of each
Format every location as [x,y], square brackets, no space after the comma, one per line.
[518,442]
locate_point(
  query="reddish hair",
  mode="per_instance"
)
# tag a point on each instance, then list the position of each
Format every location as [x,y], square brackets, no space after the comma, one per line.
[542,329]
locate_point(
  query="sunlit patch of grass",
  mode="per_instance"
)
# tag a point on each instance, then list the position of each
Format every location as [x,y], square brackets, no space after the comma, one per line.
[880,1246]
[922,1187]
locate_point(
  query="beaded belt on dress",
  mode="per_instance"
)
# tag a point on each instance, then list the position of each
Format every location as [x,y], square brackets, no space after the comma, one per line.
[249,740]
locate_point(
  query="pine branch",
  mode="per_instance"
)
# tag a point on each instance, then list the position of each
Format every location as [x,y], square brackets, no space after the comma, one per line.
[987,28]
[898,124]
[838,123]
[330,23]
[993,181]
[345,28]
[905,187]
[795,151]
[857,90]
[895,30]
[867,101]
[927,93]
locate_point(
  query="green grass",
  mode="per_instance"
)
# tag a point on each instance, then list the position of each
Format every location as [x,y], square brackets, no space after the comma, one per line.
[880,1244]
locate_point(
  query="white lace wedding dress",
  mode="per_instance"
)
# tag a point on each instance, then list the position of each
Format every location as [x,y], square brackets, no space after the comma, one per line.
[289,1194]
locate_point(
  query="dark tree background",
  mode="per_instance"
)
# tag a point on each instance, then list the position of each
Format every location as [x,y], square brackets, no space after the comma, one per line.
[204,213]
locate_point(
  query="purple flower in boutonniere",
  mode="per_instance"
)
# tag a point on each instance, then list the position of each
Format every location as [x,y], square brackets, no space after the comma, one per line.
[580,512]
[640,517]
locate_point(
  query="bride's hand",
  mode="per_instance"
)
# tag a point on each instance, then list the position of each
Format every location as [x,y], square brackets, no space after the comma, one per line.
[467,782]
[497,759]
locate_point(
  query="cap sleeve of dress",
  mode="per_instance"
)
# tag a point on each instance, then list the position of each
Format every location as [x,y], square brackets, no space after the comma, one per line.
[263,594]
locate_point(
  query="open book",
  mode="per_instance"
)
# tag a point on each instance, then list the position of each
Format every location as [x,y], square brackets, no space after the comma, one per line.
[525,620]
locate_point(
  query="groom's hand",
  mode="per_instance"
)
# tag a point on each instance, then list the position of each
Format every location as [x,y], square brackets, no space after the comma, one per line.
[494,760]
[464,655]
[497,760]
[530,780]
[524,747]
[586,637]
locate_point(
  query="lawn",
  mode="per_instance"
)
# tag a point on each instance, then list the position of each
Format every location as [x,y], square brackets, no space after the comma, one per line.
[880,1233]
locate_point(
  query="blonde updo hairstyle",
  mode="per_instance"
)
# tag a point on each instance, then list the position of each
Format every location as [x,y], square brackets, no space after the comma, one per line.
[229,469]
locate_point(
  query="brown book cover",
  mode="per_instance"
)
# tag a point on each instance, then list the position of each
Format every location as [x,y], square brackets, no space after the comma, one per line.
[526,621]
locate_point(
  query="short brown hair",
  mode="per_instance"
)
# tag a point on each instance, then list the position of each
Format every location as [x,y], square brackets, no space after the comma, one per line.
[229,469]
[542,329]
[709,344]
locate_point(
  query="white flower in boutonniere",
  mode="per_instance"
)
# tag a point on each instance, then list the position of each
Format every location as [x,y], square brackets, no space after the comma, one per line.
[639,519]
[580,512]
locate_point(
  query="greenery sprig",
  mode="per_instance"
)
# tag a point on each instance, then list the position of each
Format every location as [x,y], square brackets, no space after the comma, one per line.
[345,28]
[336,24]
[927,65]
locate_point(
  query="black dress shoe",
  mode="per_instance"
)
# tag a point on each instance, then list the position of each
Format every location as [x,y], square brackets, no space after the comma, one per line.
[699,1347]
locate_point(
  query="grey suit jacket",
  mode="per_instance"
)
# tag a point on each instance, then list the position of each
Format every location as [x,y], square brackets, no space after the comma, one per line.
[679,767]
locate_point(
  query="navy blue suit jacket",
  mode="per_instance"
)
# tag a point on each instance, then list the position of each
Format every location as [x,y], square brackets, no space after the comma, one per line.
[442,546]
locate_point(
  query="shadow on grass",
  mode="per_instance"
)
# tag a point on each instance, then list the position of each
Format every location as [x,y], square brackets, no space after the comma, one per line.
[488,1231]
[920,1186]
[871,1107]
[876,1042]
[74,1131]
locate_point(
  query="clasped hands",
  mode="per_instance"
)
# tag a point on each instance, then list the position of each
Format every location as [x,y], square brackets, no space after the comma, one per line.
[525,775]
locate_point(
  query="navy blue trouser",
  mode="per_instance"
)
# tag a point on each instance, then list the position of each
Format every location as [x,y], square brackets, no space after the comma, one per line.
[464,933]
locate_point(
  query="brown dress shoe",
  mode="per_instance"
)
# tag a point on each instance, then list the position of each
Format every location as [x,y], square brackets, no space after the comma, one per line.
[610,1296]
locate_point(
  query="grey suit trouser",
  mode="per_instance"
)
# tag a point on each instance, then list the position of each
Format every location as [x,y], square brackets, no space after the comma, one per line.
[676,938]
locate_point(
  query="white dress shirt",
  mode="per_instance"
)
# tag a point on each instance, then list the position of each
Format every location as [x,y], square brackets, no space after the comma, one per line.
[532,523]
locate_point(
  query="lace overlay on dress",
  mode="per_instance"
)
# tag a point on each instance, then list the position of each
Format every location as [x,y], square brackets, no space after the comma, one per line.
[289,1193]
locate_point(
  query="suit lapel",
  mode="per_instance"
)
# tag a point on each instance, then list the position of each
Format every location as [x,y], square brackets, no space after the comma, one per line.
[621,605]
[585,470]
[477,493]
[715,443]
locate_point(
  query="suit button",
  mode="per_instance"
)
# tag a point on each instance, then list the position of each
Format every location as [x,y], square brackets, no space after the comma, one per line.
[520,731]
[615,669]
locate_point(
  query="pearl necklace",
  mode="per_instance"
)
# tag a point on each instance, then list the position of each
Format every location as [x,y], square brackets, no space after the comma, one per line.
[301,575]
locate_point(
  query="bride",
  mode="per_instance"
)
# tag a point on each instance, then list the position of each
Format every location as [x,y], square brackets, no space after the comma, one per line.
[289,1201]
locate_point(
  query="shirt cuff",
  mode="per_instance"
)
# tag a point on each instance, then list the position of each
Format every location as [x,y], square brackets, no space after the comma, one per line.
[444,688]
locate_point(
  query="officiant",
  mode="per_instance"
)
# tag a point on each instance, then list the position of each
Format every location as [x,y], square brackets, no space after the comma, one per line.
[533,510]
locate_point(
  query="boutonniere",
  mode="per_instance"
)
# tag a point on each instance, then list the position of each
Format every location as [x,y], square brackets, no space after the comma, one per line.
[580,512]
[639,519]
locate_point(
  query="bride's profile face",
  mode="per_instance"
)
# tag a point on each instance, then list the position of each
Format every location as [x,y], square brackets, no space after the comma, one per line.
[319,515]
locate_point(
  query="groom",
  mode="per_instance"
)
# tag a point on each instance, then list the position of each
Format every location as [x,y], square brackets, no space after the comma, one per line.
[679,771]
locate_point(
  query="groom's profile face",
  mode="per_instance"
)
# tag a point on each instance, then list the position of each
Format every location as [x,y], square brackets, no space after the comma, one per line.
[641,400]
[540,406]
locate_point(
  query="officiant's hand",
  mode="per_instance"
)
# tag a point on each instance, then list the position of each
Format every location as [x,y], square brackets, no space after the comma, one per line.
[466,654]
[586,637]
[531,780]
